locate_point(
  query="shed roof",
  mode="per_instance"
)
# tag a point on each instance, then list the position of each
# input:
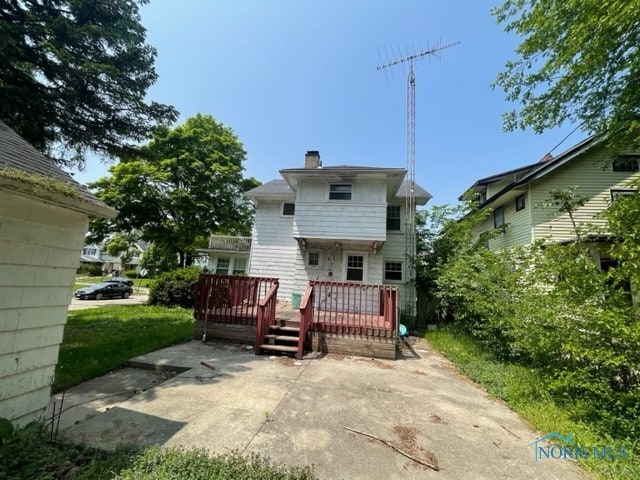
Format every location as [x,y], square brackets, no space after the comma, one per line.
[17,154]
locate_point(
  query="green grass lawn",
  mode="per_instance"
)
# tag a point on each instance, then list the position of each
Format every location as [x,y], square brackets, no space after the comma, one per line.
[97,340]
[526,391]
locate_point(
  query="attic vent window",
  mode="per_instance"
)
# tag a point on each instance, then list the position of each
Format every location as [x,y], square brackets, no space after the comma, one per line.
[340,191]
[626,163]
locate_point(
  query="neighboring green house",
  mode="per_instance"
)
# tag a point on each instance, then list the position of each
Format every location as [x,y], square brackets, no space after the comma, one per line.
[518,197]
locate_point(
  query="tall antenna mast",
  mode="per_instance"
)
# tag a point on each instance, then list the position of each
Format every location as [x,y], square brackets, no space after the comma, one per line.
[410,194]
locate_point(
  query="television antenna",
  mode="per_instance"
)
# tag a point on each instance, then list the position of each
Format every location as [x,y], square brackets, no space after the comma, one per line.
[410,197]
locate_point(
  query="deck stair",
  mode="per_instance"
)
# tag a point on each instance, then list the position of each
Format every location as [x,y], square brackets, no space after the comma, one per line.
[282,337]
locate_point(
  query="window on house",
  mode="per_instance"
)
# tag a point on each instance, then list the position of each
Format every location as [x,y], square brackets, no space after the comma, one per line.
[239,266]
[393,271]
[520,203]
[355,268]
[288,209]
[393,217]
[627,192]
[625,285]
[626,163]
[340,191]
[498,217]
[313,259]
[89,251]
[222,266]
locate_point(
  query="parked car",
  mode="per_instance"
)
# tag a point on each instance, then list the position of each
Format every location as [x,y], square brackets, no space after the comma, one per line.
[125,280]
[105,290]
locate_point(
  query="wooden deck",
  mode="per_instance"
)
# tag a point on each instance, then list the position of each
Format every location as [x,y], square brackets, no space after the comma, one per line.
[349,319]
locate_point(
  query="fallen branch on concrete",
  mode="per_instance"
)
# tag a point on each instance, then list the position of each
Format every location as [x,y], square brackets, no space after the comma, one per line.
[393,447]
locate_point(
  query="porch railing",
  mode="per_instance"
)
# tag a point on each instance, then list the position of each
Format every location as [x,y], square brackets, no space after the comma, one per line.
[229,244]
[350,308]
[231,299]
[266,315]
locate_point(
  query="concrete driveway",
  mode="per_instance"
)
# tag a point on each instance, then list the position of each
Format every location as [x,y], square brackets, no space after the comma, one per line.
[298,412]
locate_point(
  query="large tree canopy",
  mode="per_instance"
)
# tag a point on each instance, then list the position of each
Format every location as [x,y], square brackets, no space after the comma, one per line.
[184,185]
[578,62]
[75,74]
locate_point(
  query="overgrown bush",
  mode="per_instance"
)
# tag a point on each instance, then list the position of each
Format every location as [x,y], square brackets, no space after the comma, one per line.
[131,274]
[552,308]
[175,288]
[91,270]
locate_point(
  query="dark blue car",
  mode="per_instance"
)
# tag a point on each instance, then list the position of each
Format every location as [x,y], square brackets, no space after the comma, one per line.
[105,290]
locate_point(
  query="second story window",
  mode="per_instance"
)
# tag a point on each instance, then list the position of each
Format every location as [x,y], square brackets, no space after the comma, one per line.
[520,203]
[626,163]
[288,209]
[393,217]
[498,217]
[340,191]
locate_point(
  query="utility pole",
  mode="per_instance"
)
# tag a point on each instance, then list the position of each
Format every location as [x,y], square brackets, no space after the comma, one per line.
[410,198]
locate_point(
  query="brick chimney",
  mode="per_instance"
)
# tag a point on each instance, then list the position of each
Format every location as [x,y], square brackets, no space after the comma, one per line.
[312,159]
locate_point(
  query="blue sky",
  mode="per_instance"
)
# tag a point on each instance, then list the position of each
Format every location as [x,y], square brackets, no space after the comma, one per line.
[295,75]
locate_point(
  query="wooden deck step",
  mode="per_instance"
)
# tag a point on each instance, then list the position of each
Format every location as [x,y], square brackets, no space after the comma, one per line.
[282,338]
[279,348]
[284,329]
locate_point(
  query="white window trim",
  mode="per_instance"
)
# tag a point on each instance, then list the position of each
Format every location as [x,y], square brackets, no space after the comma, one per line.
[282,210]
[229,267]
[353,191]
[402,270]
[402,221]
[306,262]
[365,265]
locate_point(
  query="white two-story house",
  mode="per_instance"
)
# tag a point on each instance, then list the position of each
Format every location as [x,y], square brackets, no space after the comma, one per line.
[334,223]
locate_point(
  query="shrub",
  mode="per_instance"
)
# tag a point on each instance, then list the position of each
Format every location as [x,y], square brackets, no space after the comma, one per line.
[131,274]
[177,288]
[92,270]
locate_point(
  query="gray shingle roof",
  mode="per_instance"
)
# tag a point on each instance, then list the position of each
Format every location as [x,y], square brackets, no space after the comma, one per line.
[419,192]
[16,153]
[274,188]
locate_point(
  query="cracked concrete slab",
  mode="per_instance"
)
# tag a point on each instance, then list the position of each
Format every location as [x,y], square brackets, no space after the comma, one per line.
[296,413]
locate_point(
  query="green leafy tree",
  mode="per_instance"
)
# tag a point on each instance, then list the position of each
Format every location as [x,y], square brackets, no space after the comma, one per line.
[158,259]
[75,74]
[184,185]
[578,62]
[121,245]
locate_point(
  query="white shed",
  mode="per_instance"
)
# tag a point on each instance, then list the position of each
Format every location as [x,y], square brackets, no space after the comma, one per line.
[44,216]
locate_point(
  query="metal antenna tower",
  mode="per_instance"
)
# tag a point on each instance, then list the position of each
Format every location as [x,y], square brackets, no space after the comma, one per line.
[410,200]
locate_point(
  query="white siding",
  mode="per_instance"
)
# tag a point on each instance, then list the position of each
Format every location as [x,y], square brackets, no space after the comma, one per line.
[361,218]
[394,251]
[40,249]
[363,191]
[341,220]
[273,249]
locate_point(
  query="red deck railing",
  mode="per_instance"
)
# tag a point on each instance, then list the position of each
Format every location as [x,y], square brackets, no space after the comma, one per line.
[266,315]
[350,308]
[231,299]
